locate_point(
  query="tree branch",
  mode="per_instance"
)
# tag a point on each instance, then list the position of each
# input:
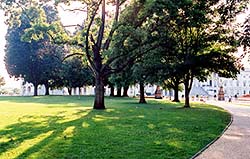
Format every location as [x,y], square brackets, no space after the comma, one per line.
[73,25]
[107,42]
[87,36]
[73,54]
[101,29]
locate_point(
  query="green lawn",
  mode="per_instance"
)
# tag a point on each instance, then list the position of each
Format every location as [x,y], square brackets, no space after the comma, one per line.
[67,127]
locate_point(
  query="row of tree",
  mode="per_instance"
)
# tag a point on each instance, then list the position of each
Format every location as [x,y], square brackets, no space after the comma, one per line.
[139,41]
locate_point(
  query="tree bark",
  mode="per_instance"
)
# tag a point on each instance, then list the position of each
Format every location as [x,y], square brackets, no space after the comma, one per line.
[99,93]
[187,104]
[119,92]
[46,88]
[69,90]
[112,90]
[176,94]
[35,89]
[142,96]
[188,85]
[125,91]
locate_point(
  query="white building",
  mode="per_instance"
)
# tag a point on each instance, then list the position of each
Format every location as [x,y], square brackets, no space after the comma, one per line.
[231,87]
[238,86]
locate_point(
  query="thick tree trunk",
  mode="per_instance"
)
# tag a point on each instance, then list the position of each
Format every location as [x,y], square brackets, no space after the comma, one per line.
[176,94]
[187,104]
[35,89]
[70,90]
[112,90]
[46,88]
[119,92]
[99,93]
[142,96]
[125,91]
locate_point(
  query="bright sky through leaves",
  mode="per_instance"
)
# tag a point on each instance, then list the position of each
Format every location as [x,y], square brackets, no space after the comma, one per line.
[68,18]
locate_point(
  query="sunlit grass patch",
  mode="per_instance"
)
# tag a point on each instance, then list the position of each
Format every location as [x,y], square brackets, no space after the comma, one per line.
[67,127]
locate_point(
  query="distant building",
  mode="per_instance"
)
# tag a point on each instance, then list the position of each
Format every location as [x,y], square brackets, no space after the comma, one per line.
[239,86]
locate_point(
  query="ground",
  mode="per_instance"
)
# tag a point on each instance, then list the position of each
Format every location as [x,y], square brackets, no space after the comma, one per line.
[67,127]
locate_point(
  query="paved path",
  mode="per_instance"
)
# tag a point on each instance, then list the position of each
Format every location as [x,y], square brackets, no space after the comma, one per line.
[235,142]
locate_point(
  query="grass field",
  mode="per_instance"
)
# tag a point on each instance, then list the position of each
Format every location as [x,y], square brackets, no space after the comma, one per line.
[58,127]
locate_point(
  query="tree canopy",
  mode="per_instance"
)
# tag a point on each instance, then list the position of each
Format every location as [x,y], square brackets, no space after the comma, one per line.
[182,40]
[35,61]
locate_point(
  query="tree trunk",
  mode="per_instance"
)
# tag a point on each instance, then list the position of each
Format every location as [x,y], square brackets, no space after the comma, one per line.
[35,89]
[187,104]
[99,93]
[112,90]
[125,91]
[176,94]
[46,88]
[69,90]
[119,92]
[142,97]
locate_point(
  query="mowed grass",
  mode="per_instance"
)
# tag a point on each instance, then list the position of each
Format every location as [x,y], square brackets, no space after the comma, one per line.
[63,127]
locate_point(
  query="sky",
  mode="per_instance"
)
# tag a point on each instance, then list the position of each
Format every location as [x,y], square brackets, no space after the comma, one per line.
[68,18]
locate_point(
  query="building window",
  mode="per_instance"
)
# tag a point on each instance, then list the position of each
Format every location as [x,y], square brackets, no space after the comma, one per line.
[244,83]
[244,92]
[237,84]
[210,82]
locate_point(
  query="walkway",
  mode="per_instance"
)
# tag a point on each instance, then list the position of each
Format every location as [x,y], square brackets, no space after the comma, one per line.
[235,142]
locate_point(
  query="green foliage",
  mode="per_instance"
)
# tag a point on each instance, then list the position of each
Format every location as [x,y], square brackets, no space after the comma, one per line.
[36,61]
[160,40]
[75,73]
[71,129]
[245,37]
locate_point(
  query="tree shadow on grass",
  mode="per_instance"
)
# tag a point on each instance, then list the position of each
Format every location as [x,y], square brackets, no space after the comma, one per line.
[86,134]
[51,137]
[112,133]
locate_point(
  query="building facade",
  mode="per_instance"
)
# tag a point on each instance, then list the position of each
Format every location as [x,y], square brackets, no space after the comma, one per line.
[238,86]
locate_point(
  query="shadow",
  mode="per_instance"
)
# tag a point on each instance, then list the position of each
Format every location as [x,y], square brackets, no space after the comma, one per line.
[125,130]
[53,136]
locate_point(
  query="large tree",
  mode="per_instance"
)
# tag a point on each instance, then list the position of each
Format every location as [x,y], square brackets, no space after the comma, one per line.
[35,61]
[195,42]
[21,58]
[93,39]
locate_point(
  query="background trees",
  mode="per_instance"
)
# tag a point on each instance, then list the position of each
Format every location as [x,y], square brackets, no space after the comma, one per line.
[75,74]
[174,41]
[35,61]
[194,43]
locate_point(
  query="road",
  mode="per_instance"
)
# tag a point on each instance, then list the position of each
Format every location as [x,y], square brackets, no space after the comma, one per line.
[235,142]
